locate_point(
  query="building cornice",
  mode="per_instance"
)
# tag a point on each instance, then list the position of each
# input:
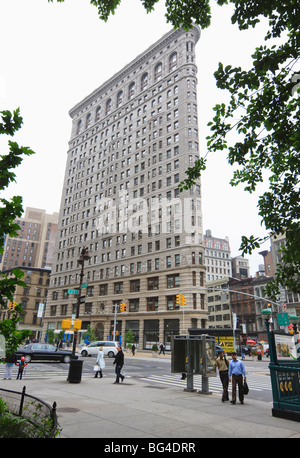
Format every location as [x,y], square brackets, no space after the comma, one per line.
[139,60]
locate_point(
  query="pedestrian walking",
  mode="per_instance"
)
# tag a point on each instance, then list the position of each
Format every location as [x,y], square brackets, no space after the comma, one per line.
[119,362]
[222,364]
[100,363]
[10,361]
[237,372]
[162,349]
[133,349]
[22,366]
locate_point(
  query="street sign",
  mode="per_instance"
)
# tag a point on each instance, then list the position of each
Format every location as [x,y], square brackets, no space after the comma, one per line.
[82,300]
[283,319]
[73,291]
[84,285]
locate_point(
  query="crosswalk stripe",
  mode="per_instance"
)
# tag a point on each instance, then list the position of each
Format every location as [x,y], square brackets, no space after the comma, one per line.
[255,383]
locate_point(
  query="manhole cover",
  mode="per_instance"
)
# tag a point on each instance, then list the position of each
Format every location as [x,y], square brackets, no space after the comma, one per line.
[67,409]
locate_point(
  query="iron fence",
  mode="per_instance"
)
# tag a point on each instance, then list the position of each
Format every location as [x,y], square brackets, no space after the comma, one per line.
[40,415]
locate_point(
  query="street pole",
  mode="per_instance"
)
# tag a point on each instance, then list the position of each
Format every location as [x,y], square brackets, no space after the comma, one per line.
[75,368]
[78,307]
[115,321]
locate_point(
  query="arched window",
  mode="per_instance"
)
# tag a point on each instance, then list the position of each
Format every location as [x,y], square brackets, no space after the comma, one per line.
[98,110]
[158,72]
[88,121]
[173,61]
[108,107]
[119,98]
[131,90]
[144,81]
[79,125]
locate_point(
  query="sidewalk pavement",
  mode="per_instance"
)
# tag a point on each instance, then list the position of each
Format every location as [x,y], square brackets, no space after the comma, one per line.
[97,408]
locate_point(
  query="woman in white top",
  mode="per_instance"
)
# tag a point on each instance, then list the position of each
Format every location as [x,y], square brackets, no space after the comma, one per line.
[100,362]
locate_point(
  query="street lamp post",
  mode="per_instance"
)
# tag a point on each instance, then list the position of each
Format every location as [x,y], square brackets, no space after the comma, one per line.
[75,368]
[266,314]
[84,256]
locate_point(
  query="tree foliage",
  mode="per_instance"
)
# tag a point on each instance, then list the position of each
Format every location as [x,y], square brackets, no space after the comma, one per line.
[263,111]
[178,12]
[9,210]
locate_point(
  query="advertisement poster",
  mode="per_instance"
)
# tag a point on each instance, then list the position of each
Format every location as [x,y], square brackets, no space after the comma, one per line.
[285,346]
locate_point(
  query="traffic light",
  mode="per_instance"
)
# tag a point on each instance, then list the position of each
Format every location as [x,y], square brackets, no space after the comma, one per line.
[123,307]
[178,299]
[183,300]
[12,305]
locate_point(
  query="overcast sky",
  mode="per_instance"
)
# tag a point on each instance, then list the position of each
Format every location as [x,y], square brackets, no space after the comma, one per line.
[54,55]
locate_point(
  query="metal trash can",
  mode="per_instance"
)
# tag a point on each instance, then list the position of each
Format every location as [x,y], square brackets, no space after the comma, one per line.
[75,371]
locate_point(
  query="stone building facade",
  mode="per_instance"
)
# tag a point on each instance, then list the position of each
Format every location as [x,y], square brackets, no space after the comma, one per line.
[132,140]
[32,298]
[34,244]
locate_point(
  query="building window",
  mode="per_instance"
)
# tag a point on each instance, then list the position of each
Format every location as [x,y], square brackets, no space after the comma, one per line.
[119,98]
[173,281]
[152,304]
[79,125]
[90,291]
[173,62]
[108,107]
[134,286]
[103,290]
[153,283]
[118,288]
[131,90]
[144,81]
[171,303]
[134,305]
[88,121]
[168,261]
[98,114]
[158,72]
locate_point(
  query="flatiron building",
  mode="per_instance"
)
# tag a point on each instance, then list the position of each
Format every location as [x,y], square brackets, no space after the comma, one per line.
[132,140]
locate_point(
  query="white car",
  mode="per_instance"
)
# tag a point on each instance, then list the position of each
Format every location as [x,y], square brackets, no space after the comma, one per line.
[109,348]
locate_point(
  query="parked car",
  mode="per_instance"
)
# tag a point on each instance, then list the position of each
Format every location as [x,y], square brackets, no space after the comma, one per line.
[109,348]
[42,351]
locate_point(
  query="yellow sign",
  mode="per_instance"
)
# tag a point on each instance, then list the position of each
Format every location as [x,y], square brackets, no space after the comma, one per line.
[66,324]
[77,324]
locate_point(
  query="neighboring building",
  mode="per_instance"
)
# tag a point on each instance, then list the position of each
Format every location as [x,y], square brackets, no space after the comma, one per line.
[34,246]
[289,301]
[268,263]
[217,257]
[32,298]
[132,140]
[261,303]
[218,303]
[240,267]
[243,304]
